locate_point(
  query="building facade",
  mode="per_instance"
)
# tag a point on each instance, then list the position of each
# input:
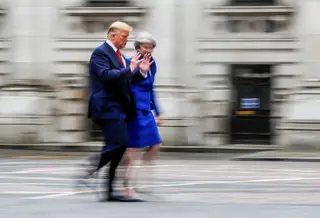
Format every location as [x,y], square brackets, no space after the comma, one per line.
[230,71]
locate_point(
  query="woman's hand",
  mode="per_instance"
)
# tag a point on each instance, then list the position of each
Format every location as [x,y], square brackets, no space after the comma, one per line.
[158,120]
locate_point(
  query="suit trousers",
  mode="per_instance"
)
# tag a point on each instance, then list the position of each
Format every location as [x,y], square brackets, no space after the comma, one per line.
[115,134]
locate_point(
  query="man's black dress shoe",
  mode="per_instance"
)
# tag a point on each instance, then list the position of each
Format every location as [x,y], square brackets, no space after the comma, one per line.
[83,180]
[134,199]
[117,197]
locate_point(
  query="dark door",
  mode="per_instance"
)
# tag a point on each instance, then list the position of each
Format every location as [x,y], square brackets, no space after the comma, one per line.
[250,110]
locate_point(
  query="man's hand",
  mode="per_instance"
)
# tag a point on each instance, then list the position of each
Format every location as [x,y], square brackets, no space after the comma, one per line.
[146,63]
[135,61]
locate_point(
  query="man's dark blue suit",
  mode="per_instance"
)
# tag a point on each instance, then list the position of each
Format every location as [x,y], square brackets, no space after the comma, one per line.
[111,104]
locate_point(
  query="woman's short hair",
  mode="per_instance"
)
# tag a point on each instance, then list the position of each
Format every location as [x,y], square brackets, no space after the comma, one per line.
[144,37]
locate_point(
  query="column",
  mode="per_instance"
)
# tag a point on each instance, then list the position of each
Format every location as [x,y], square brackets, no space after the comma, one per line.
[32,24]
[161,22]
[189,17]
[300,129]
[33,27]
[309,32]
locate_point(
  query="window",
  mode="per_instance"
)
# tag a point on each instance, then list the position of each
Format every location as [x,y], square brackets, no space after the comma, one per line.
[107,3]
[252,2]
[253,26]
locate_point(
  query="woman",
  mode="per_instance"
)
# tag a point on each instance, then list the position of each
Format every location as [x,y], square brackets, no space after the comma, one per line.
[143,131]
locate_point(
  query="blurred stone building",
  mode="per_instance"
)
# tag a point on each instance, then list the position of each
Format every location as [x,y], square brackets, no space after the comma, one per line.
[230,71]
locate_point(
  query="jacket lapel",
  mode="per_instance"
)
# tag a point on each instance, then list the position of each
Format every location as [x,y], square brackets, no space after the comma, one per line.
[127,61]
[114,57]
[108,49]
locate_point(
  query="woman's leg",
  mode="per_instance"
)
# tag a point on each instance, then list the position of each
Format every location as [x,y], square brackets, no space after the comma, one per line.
[152,153]
[149,158]
[132,155]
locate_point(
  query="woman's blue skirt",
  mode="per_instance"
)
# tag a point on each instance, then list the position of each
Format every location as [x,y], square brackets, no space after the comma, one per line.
[143,131]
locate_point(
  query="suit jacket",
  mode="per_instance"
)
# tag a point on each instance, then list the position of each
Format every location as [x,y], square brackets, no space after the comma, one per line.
[110,94]
[144,91]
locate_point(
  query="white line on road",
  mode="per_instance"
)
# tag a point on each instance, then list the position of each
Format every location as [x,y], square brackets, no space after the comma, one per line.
[27,192]
[179,185]
[169,168]
[36,170]
[205,168]
[60,195]
[34,183]
[73,169]
[36,178]
[60,162]
[293,170]
[78,165]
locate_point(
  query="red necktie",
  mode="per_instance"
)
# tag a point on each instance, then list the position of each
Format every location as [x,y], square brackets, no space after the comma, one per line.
[120,57]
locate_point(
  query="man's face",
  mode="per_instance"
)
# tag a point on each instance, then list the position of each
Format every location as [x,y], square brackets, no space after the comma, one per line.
[120,39]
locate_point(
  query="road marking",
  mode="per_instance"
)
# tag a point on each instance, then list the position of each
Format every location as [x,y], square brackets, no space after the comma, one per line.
[171,167]
[204,167]
[67,171]
[297,170]
[60,195]
[62,162]
[48,170]
[34,183]
[178,185]
[41,157]
[27,192]
[36,178]
[75,163]
[47,166]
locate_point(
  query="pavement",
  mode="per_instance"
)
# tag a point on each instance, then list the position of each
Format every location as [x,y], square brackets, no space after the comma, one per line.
[96,145]
[281,155]
[184,185]
[238,152]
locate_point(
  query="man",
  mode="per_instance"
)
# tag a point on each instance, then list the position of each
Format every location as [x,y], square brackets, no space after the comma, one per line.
[111,102]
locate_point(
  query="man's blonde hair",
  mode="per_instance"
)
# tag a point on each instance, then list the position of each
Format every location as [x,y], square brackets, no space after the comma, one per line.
[118,26]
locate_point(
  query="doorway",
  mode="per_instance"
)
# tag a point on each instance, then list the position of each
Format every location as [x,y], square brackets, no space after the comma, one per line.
[251,104]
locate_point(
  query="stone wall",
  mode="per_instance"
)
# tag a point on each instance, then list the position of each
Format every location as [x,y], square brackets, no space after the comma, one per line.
[196,47]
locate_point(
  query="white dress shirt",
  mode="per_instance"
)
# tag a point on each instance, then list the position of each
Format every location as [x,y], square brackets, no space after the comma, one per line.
[115,50]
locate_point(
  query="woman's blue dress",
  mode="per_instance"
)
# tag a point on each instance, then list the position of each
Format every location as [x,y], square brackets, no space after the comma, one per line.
[143,131]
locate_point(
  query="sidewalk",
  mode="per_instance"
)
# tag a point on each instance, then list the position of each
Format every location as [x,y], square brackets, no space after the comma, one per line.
[232,152]
[281,155]
[95,146]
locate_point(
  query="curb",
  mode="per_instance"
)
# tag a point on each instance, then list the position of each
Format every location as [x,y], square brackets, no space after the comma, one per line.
[200,149]
[85,148]
[94,147]
[290,155]
[287,159]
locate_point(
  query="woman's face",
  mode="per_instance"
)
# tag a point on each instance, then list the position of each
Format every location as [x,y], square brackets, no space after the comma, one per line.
[146,48]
